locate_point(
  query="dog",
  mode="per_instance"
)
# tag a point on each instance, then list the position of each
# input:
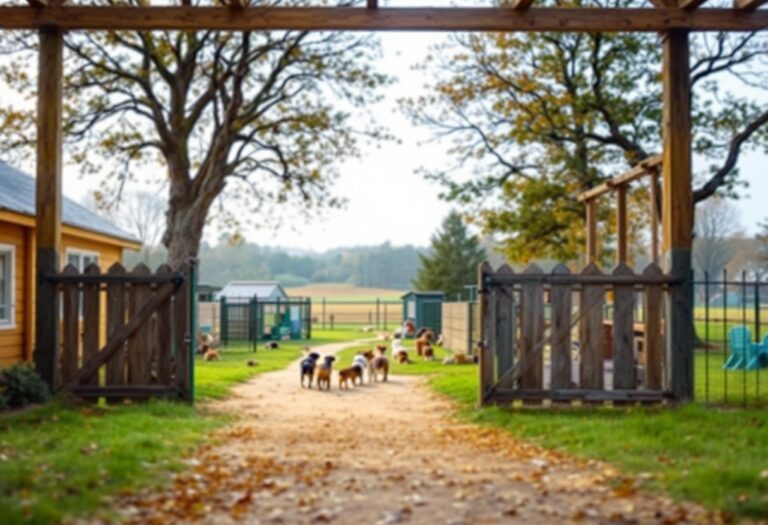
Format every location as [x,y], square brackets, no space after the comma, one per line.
[401,357]
[211,355]
[307,366]
[272,345]
[429,353]
[440,340]
[381,364]
[252,362]
[323,373]
[349,374]
[423,341]
[369,358]
[361,362]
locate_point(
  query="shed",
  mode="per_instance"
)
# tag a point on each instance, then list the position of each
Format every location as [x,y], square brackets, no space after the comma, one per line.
[423,308]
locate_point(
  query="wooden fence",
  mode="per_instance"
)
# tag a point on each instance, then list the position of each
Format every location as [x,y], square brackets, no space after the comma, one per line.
[460,326]
[126,335]
[542,335]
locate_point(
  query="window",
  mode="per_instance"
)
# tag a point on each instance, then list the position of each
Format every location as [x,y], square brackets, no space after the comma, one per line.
[81,259]
[7,267]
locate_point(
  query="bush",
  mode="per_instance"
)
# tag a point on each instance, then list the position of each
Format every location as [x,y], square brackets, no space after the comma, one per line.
[20,385]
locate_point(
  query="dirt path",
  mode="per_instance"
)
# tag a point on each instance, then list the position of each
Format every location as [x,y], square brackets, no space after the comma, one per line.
[384,454]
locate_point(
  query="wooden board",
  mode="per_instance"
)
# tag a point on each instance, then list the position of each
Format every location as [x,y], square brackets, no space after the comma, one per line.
[532,332]
[624,374]
[116,318]
[591,331]
[561,332]
[91,319]
[70,347]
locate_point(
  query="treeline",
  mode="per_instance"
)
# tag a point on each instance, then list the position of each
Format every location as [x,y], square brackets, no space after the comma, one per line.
[383,266]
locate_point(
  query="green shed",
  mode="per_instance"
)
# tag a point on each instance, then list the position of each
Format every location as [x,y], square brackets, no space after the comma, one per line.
[424,309]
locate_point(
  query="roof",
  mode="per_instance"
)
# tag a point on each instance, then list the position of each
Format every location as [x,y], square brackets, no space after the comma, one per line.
[17,194]
[420,294]
[248,289]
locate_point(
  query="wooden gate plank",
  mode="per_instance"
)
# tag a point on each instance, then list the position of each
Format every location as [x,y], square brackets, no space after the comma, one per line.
[624,376]
[91,319]
[70,352]
[115,321]
[591,331]
[182,347]
[532,331]
[164,337]
[653,343]
[505,324]
[561,331]
[138,344]
[486,349]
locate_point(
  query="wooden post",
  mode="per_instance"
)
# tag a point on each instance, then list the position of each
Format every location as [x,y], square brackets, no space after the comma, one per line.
[48,201]
[621,224]
[677,211]
[591,231]
[654,197]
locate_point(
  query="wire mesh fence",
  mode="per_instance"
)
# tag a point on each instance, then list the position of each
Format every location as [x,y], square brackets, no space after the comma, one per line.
[328,314]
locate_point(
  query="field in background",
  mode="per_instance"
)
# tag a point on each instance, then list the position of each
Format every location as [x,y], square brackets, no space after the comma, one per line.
[344,292]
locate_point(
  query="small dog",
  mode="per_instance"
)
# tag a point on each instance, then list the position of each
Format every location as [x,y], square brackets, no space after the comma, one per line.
[429,353]
[252,362]
[211,355]
[323,373]
[423,341]
[402,357]
[361,363]
[381,364]
[272,345]
[308,365]
[349,374]
[440,340]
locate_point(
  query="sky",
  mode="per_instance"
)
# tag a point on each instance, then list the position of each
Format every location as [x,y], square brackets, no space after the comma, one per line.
[386,200]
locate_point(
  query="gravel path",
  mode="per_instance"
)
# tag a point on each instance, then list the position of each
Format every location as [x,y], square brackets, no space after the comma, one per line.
[383,454]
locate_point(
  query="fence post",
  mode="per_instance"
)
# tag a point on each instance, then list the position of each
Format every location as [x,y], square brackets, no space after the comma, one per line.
[253,325]
[192,326]
[224,321]
[378,313]
[386,324]
[331,321]
[470,328]
[322,318]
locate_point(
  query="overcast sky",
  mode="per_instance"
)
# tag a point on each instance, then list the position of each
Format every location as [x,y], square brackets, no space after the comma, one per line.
[387,201]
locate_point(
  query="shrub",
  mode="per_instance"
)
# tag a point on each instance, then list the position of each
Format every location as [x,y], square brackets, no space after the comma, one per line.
[20,385]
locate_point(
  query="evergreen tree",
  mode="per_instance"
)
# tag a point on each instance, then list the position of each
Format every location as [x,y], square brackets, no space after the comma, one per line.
[452,263]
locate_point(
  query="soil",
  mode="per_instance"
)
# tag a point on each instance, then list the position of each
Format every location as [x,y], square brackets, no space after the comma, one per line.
[384,453]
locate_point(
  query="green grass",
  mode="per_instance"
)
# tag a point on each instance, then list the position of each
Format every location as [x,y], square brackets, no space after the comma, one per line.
[61,461]
[711,456]
[58,461]
[728,387]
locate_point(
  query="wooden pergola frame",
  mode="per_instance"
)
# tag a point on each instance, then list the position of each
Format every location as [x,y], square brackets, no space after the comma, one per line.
[650,167]
[674,18]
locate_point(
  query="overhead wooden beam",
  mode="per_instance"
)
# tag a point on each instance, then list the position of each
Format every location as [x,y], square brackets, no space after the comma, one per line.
[591,232]
[521,5]
[559,19]
[677,211]
[641,169]
[48,201]
[621,225]
[748,5]
[373,4]
[689,5]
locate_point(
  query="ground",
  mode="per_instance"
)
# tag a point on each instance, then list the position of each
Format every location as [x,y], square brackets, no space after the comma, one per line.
[383,453]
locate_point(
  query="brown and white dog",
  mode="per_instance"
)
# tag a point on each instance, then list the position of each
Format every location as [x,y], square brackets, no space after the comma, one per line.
[211,355]
[323,372]
[380,364]
[349,374]
[424,341]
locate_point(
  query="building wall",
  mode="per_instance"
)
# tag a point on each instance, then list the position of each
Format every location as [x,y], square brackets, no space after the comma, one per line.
[16,344]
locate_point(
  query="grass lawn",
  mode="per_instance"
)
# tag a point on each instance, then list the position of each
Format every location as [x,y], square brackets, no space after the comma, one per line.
[716,457]
[62,461]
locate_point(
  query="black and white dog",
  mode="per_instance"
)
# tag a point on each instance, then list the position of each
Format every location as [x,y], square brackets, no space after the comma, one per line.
[308,365]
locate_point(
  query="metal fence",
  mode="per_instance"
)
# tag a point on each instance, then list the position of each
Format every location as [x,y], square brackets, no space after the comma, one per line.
[731,360]
[378,314]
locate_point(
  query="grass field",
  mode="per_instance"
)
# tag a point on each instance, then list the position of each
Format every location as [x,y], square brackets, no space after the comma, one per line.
[716,457]
[61,461]
[344,292]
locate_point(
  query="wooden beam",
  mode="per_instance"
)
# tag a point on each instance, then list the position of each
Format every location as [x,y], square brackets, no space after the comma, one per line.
[372,4]
[677,211]
[689,5]
[48,201]
[654,212]
[521,5]
[641,169]
[748,5]
[591,231]
[621,225]
[558,19]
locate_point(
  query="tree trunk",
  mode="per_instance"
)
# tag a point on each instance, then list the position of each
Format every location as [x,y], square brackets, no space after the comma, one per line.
[183,233]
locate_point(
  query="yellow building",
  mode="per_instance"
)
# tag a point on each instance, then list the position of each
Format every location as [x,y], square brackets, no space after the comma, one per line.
[86,238]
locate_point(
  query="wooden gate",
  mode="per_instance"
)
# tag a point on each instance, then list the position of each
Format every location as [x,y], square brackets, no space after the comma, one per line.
[126,335]
[566,337]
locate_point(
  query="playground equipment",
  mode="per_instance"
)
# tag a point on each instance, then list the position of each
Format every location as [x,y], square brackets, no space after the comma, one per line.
[746,355]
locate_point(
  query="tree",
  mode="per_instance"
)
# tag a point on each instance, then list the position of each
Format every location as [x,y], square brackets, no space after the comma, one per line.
[452,262]
[247,122]
[539,118]
[717,223]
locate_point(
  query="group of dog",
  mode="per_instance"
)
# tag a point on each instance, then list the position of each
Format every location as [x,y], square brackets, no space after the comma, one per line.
[312,368]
